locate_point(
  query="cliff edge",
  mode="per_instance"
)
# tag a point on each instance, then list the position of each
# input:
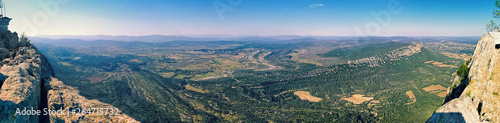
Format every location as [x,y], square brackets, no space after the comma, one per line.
[476,98]
[27,83]
[23,70]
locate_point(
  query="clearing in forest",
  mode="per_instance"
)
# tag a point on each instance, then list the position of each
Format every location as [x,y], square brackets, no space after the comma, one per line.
[303,95]
[439,64]
[463,56]
[442,94]
[434,88]
[96,79]
[375,101]
[410,94]
[358,99]
[135,60]
[191,88]
[428,62]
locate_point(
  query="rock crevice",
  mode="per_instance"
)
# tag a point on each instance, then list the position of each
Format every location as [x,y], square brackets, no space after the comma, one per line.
[22,68]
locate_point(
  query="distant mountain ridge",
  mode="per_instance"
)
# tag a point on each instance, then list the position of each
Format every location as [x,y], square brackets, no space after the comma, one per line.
[391,56]
[164,38]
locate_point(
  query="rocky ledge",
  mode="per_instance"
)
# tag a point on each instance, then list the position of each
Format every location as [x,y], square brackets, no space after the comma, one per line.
[23,70]
[61,96]
[27,81]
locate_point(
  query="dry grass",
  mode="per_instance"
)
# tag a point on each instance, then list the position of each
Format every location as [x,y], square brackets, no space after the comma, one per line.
[457,56]
[180,76]
[358,99]
[239,56]
[167,74]
[443,94]
[135,60]
[434,88]
[375,101]
[439,64]
[303,95]
[189,87]
[427,62]
[295,57]
[440,90]
[65,64]
[410,94]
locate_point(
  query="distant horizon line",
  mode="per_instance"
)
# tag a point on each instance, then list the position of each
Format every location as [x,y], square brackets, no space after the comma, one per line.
[233,35]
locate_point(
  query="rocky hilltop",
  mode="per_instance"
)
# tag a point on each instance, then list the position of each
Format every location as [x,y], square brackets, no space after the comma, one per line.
[390,56]
[27,81]
[476,98]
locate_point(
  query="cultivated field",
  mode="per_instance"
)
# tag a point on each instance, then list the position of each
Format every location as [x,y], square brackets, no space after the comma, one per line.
[303,95]
[436,89]
[410,94]
[358,99]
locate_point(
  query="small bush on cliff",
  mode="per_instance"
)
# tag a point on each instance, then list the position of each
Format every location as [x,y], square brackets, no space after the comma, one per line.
[492,26]
[463,71]
[24,41]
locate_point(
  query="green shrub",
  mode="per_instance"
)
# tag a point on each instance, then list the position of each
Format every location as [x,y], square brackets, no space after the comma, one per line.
[463,71]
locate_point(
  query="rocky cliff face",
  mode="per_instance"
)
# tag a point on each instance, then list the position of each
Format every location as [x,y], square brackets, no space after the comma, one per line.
[61,96]
[390,56]
[26,81]
[23,69]
[476,98]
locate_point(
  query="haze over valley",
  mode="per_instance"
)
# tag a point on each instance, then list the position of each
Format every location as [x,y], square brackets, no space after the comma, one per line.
[249,61]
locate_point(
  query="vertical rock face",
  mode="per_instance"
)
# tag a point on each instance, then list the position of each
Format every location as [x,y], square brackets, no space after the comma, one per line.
[478,101]
[23,69]
[483,80]
[26,81]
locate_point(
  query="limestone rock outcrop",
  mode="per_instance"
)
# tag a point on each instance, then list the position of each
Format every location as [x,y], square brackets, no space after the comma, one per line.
[478,100]
[390,56]
[61,96]
[27,81]
[460,110]
[23,69]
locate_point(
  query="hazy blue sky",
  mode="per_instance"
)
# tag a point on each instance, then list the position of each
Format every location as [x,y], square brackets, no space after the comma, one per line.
[251,17]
